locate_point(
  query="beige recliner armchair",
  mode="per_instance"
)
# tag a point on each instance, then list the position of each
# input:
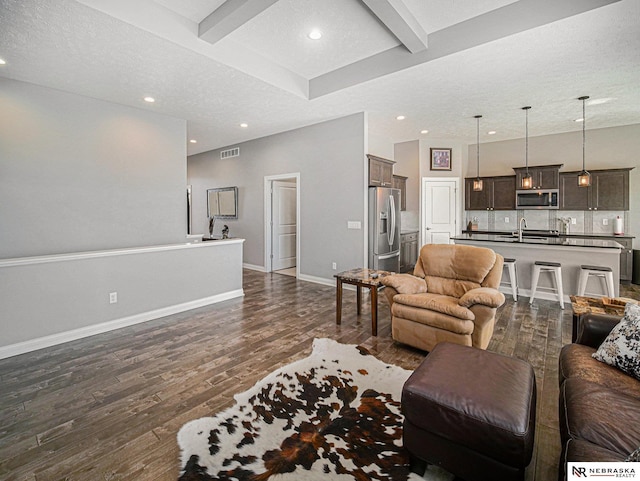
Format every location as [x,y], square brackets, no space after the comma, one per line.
[451,296]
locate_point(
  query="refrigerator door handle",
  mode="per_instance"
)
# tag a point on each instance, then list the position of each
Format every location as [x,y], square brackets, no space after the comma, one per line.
[389,256]
[392,230]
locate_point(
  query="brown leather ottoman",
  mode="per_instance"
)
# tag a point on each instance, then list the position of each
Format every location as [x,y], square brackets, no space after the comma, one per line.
[472,412]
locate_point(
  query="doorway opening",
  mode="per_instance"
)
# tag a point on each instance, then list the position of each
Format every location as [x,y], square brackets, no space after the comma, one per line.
[282,224]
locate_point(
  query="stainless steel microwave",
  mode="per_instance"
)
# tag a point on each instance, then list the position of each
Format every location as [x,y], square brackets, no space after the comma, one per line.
[537,199]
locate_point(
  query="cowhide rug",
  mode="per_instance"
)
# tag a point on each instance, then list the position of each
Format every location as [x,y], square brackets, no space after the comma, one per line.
[334,415]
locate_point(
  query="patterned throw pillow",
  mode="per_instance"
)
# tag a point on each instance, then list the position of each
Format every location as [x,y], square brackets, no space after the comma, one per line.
[634,457]
[621,348]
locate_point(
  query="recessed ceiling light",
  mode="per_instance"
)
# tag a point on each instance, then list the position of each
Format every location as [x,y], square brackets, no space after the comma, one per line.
[244,126]
[492,132]
[315,34]
[149,99]
[193,141]
[400,117]
[424,131]
[2,61]
[579,120]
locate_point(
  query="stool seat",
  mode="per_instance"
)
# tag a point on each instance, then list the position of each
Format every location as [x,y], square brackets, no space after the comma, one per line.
[545,266]
[508,260]
[471,412]
[598,271]
[597,268]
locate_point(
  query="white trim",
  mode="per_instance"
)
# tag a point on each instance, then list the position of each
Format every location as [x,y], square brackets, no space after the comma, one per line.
[62,337]
[547,296]
[24,261]
[253,267]
[317,280]
[268,182]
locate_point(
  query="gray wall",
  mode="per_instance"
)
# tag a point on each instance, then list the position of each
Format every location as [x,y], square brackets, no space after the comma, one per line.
[407,157]
[330,158]
[608,148]
[79,174]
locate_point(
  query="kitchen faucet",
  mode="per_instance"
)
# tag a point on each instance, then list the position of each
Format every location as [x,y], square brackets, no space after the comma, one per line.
[522,219]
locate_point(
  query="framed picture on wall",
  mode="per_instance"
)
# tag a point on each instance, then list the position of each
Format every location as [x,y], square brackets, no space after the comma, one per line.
[440,159]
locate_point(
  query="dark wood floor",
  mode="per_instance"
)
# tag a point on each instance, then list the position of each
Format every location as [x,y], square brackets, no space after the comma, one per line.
[108,407]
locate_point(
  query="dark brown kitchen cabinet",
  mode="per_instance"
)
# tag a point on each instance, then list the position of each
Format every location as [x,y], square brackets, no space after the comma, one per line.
[380,171]
[609,190]
[543,176]
[408,251]
[626,258]
[400,182]
[498,193]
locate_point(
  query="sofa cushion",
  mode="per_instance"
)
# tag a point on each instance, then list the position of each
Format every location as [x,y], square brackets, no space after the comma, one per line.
[621,348]
[576,361]
[405,283]
[434,302]
[482,295]
[466,265]
[433,319]
[599,415]
[579,450]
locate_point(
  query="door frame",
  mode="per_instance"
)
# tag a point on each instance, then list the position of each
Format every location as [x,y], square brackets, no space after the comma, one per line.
[458,211]
[268,218]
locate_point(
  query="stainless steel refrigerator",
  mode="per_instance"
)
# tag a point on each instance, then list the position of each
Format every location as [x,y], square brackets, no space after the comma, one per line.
[384,229]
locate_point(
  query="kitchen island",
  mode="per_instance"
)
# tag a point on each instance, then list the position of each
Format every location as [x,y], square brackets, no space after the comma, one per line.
[571,252]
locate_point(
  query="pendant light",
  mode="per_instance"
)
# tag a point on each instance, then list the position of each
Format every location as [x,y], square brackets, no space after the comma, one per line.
[477,183]
[584,177]
[527,180]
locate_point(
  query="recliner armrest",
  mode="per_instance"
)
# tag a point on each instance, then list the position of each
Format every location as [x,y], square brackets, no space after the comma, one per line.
[593,329]
[405,283]
[487,296]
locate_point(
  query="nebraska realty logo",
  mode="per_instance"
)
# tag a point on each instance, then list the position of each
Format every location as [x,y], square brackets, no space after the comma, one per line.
[580,471]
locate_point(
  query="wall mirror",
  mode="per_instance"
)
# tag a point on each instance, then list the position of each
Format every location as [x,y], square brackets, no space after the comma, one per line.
[222,203]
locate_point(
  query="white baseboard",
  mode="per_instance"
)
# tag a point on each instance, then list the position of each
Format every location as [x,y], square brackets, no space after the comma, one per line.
[548,296]
[317,280]
[252,267]
[62,337]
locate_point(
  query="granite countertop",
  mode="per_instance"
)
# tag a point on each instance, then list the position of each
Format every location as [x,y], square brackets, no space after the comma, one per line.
[408,231]
[539,240]
[578,235]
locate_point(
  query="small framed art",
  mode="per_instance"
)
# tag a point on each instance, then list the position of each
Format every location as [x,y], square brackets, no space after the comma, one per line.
[440,159]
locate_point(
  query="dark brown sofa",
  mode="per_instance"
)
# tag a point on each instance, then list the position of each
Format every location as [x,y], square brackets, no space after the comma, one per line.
[599,404]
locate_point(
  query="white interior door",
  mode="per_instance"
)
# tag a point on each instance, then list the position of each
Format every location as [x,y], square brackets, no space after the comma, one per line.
[284,225]
[439,210]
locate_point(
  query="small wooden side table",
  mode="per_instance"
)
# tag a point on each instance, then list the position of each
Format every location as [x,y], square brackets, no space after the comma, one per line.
[360,278]
[584,305]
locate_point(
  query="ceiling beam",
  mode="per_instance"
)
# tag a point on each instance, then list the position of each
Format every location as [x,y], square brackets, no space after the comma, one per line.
[229,16]
[395,15]
[509,20]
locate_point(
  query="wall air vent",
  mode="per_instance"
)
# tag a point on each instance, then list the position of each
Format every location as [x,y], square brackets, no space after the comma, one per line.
[225,154]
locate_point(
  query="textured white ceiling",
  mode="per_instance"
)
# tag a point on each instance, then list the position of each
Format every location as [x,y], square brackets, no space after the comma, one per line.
[70,46]
[350,33]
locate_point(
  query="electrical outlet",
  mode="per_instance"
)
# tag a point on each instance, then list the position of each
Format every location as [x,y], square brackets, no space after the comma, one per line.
[605,221]
[574,221]
[113,298]
[334,266]
[506,220]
